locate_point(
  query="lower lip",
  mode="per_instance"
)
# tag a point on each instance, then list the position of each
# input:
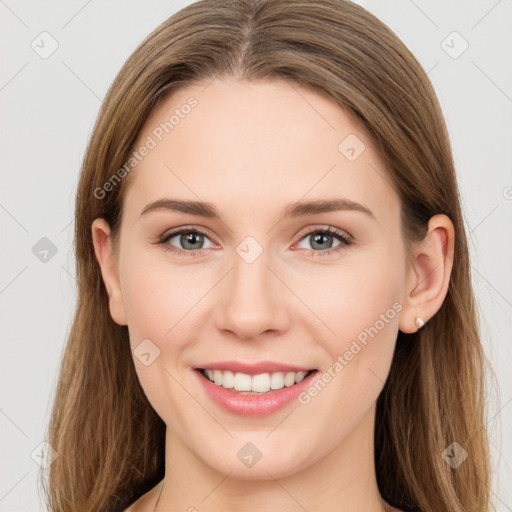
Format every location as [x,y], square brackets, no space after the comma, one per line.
[253,405]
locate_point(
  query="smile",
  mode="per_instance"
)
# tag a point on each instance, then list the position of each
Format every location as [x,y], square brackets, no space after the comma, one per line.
[253,384]
[256,394]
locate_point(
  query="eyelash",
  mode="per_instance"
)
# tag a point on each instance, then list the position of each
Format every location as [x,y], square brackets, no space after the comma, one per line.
[345,241]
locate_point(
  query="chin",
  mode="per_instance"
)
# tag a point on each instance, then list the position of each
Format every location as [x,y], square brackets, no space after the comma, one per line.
[251,463]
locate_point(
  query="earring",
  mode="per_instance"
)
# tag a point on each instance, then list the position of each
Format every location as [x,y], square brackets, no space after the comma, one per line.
[419,322]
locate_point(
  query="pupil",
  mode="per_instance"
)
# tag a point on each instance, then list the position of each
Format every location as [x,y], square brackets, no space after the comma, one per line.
[320,238]
[189,239]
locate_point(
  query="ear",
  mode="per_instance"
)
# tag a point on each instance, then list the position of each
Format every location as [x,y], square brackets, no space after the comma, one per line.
[106,258]
[429,274]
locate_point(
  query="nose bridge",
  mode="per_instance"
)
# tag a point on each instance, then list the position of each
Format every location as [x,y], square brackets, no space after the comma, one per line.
[255,301]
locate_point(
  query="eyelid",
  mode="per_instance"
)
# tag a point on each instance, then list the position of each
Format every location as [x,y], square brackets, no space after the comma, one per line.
[186,229]
[324,228]
[345,238]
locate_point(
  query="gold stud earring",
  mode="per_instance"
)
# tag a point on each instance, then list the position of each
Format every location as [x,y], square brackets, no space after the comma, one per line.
[419,322]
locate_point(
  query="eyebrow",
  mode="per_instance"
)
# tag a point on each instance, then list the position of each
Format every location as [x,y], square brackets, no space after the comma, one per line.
[297,209]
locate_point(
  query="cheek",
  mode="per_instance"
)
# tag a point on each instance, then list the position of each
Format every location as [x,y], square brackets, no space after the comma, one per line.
[360,302]
[156,295]
[156,300]
[370,302]
[363,311]
[353,295]
[145,306]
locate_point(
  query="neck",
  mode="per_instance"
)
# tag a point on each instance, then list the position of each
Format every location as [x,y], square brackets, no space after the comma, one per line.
[344,480]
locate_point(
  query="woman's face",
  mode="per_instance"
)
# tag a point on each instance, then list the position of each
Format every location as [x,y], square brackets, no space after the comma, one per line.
[260,284]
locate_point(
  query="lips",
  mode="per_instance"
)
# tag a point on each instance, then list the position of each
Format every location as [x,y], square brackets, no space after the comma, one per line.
[257,389]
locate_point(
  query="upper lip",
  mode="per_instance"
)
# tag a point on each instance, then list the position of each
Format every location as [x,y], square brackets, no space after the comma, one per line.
[253,368]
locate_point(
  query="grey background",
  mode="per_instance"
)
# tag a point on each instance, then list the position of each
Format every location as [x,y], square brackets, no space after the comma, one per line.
[48,109]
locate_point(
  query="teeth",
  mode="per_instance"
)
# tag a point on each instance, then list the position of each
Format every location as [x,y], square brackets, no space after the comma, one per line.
[242,382]
[227,379]
[260,383]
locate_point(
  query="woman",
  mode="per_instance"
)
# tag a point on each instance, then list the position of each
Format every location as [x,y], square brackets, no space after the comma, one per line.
[221,357]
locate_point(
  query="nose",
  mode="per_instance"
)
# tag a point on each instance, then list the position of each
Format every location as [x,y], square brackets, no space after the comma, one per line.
[253,300]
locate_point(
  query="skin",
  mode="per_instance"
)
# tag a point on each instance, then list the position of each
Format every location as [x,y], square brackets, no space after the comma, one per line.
[251,149]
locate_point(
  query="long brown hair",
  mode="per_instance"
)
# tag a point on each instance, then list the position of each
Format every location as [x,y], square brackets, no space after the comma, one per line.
[109,440]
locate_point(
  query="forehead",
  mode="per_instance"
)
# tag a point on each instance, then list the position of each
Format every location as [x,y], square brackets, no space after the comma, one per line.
[259,145]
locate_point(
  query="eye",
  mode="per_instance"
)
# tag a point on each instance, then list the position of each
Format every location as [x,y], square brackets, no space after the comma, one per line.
[191,240]
[321,240]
